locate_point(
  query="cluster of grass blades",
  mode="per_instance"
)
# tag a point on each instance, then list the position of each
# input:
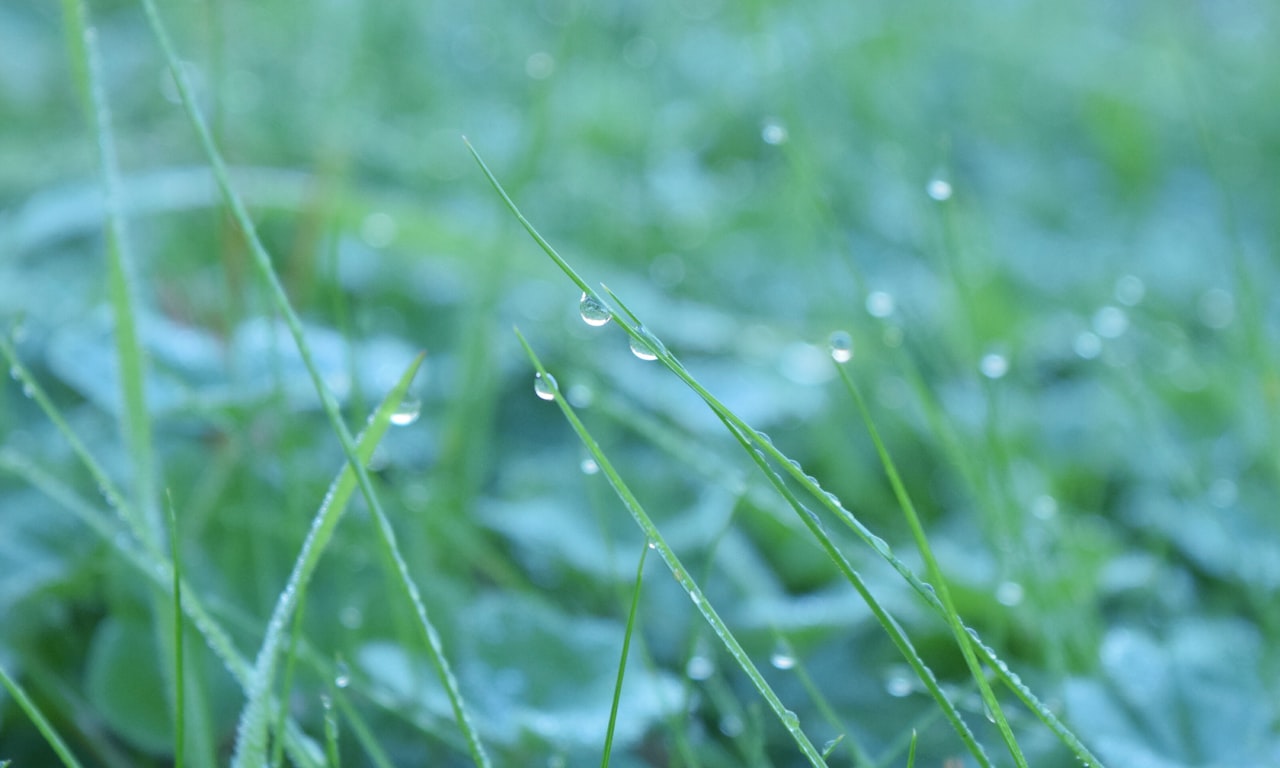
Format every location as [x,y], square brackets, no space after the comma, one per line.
[766,456]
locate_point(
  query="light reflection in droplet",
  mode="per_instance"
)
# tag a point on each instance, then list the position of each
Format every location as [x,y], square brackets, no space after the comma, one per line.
[1110,322]
[880,304]
[994,365]
[1087,345]
[939,189]
[773,132]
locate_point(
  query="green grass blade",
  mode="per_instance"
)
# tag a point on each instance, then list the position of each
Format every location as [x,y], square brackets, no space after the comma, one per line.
[330,731]
[935,571]
[262,260]
[911,753]
[251,742]
[827,500]
[622,663]
[179,672]
[37,717]
[731,644]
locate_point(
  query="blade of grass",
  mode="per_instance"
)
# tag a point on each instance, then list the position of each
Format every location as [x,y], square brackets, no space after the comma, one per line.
[934,570]
[793,468]
[179,674]
[262,260]
[785,716]
[622,663]
[251,742]
[37,717]
[330,730]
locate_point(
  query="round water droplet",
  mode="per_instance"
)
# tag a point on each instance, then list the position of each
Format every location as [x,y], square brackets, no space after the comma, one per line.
[28,390]
[882,546]
[1110,322]
[831,744]
[1009,593]
[342,675]
[773,133]
[1087,345]
[545,388]
[653,544]
[880,304]
[590,467]
[790,719]
[593,312]
[1130,289]
[408,411]
[994,365]
[939,189]
[699,668]
[899,684]
[782,657]
[731,726]
[642,351]
[841,344]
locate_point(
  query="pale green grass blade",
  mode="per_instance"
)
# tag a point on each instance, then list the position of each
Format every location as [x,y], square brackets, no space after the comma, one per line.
[935,571]
[700,602]
[251,742]
[330,731]
[828,500]
[622,663]
[911,753]
[179,670]
[262,261]
[37,717]
[372,749]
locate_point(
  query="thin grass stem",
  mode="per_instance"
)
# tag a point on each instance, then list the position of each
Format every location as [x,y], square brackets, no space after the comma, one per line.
[622,663]
[37,717]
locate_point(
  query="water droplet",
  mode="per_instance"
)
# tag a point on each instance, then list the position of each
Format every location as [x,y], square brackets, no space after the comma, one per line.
[590,467]
[653,544]
[841,344]
[642,350]
[540,65]
[351,617]
[783,657]
[699,668]
[342,675]
[790,719]
[1110,322]
[1217,308]
[986,710]
[14,373]
[880,304]
[731,726]
[1130,290]
[1044,507]
[1087,345]
[326,702]
[939,189]
[545,388]
[994,365]
[773,132]
[408,411]
[831,744]
[593,312]
[899,684]
[28,390]
[1009,593]
[882,546]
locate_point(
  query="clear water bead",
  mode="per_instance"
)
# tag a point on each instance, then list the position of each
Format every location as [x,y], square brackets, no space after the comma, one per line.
[841,344]
[939,189]
[342,675]
[880,304]
[643,351]
[545,388]
[593,312]
[782,657]
[994,365]
[699,668]
[407,412]
[773,133]
[590,467]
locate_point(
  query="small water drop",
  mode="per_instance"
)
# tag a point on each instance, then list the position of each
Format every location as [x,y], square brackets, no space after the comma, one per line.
[590,467]
[880,304]
[642,350]
[831,744]
[14,372]
[732,726]
[1130,289]
[1009,593]
[1087,345]
[653,544]
[342,675]
[773,133]
[545,388]
[28,390]
[790,719]
[939,189]
[783,657]
[408,411]
[841,344]
[899,684]
[1110,322]
[882,546]
[994,365]
[580,395]
[593,312]
[699,668]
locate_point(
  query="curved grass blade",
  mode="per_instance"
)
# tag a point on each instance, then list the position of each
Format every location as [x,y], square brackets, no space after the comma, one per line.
[37,717]
[785,716]
[251,742]
[622,663]
[828,500]
[935,572]
[262,260]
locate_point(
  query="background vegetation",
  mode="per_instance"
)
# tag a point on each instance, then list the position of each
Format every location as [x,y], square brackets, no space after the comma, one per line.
[1050,229]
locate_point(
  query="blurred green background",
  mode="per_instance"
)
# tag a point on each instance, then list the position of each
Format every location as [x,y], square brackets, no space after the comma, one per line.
[1051,229]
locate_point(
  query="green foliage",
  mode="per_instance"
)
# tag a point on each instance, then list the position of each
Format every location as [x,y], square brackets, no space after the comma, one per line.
[1047,228]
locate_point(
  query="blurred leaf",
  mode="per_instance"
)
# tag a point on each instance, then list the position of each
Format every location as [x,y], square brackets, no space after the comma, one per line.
[125,685]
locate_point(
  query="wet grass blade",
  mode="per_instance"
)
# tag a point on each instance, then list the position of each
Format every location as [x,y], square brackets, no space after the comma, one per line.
[251,743]
[622,663]
[936,576]
[267,273]
[37,717]
[811,485]
[700,602]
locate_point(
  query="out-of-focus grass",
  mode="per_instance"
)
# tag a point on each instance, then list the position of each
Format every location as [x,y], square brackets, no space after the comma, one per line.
[1071,357]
